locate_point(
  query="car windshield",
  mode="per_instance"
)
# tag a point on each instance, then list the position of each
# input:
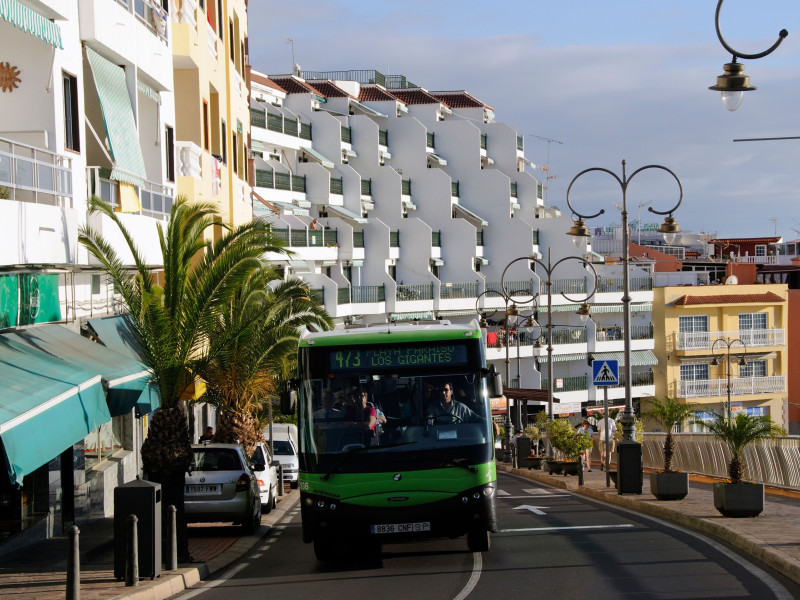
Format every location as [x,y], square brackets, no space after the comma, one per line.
[216,459]
[282,448]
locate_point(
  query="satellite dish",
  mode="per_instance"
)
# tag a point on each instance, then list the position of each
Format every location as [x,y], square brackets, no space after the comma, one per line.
[731,280]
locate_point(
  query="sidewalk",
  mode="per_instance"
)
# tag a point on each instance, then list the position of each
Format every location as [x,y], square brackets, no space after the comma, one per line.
[773,537]
[39,572]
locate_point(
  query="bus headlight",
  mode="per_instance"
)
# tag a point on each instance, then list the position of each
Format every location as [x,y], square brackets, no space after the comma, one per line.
[488,491]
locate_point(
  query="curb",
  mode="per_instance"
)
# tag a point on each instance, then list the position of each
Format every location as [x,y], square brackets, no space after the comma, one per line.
[175,582]
[787,567]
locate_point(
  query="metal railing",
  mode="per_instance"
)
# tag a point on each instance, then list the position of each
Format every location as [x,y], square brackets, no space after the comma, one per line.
[366,187]
[772,461]
[514,189]
[567,335]
[394,239]
[479,237]
[568,286]
[347,134]
[360,294]
[30,174]
[430,140]
[575,383]
[740,386]
[535,237]
[615,284]
[358,239]
[540,191]
[436,239]
[383,137]
[483,141]
[307,238]
[522,287]
[468,289]
[266,178]
[405,187]
[337,187]
[520,143]
[156,198]
[279,124]
[414,291]
[454,189]
[751,338]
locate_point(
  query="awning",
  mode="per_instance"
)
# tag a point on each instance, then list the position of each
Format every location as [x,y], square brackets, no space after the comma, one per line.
[291,209]
[542,358]
[318,157]
[639,358]
[349,153]
[117,333]
[600,308]
[355,104]
[469,215]
[300,203]
[481,260]
[409,205]
[30,21]
[299,266]
[436,159]
[437,261]
[118,119]
[455,313]
[48,405]
[127,379]
[148,91]
[412,316]
[346,214]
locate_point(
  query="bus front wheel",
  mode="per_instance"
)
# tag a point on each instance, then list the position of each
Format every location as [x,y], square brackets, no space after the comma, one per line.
[478,540]
[324,549]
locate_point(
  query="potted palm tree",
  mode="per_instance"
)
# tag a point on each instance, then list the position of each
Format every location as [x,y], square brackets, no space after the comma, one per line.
[667,484]
[534,433]
[736,497]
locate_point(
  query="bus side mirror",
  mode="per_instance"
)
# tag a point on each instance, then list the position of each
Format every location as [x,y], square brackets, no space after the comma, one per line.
[494,382]
[288,398]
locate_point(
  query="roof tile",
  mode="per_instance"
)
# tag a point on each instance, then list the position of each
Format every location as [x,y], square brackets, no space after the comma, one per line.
[688,300]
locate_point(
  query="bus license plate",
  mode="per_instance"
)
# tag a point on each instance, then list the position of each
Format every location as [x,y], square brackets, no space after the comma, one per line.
[401,528]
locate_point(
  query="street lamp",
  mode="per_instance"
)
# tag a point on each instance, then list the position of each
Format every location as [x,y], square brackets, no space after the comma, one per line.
[669,230]
[733,83]
[718,357]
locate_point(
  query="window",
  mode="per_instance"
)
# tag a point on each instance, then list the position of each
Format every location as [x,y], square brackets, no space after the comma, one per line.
[206,134]
[694,372]
[753,329]
[224,143]
[169,148]
[693,331]
[753,321]
[232,43]
[754,368]
[235,152]
[72,131]
[761,250]
[220,21]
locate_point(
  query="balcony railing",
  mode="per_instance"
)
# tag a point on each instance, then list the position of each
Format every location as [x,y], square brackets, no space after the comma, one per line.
[307,238]
[467,289]
[394,239]
[520,143]
[361,294]
[405,187]
[638,332]
[759,260]
[615,284]
[280,181]
[568,286]
[258,118]
[678,252]
[383,137]
[337,187]
[30,174]
[703,340]
[540,191]
[535,237]
[430,140]
[358,239]
[317,294]
[575,383]
[740,386]
[569,335]
[436,239]
[454,191]
[156,199]
[279,124]
[479,238]
[483,141]
[347,134]
[521,288]
[414,291]
[366,187]
[514,189]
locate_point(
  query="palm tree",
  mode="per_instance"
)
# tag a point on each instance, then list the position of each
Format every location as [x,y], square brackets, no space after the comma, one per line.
[669,414]
[244,372]
[173,317]
[739,431]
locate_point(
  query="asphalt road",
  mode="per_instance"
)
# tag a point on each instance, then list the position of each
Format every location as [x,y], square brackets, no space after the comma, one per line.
[551,545]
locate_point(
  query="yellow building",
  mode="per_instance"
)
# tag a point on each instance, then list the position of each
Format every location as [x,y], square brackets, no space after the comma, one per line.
[212,112]
[695,329]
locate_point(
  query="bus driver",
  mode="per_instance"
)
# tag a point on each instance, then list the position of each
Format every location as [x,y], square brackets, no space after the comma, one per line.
[448,407]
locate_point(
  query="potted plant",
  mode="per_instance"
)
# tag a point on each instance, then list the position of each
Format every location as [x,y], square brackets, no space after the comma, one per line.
[570,442]
[534,433]
[736,497]
[667,484]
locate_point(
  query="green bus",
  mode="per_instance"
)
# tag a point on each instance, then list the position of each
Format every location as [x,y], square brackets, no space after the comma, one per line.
[396,436]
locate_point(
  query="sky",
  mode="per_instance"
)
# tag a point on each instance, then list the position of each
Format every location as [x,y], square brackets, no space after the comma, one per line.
[605,81]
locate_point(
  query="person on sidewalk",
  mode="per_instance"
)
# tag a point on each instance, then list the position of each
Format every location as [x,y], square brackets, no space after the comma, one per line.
[586,429]
[605,435]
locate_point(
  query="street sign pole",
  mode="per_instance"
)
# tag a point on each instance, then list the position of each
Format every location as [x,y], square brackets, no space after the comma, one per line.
[605,373]
[607,442]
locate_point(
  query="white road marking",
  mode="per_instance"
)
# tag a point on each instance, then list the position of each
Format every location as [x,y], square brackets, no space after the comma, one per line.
[621,526]
[212,584]
[537,492]
[539,498]
[534,509]
[257,555]
[477,567]
[502,493]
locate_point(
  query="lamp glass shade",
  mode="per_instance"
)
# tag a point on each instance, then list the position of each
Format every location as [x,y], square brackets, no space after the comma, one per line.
[669,237]
[732,100]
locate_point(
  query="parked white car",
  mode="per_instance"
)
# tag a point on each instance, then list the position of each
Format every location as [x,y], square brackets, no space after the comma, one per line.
[268,478]
[284,445]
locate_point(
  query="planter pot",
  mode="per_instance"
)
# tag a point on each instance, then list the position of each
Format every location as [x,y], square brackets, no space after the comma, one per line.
[739,499]
[535,462]
[554,467]
[571,467]
[669,486]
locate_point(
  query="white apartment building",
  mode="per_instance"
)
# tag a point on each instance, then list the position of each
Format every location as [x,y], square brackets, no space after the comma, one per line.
[403,203]
[87,109]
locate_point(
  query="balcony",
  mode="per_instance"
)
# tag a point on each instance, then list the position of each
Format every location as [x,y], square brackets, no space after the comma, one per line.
[307,238]
[467,289]
[30,174]
[753,338]
[361,294]
[280,181]
[279,124]
[414,291]
[156,199]
[615,284]
[740,386]
[638,332]
[575,383]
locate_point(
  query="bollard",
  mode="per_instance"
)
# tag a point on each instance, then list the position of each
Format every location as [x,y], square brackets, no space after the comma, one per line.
[172,556]
[74,565]
[580,470]
[132,559]
[280,480]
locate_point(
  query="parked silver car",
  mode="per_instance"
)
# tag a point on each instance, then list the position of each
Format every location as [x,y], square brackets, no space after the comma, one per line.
[268,478]
[222,486]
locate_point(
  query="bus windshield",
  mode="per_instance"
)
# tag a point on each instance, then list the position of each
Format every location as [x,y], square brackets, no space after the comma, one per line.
[397,413]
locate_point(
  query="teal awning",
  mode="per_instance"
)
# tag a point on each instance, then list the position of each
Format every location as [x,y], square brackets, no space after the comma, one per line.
[117,333]
[30,21]
[469,215]
[436,159]
[412,316]
[148,91]
[291,209]
[126,378]
[639,358]
[542,358]
[47,406]
[346,214]
[318,157]
[118,119]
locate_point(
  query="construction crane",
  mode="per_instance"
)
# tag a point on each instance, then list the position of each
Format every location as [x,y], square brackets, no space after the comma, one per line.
[546,169]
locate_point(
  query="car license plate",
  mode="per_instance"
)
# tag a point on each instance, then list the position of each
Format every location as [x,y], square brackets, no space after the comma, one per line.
[202,489]
[401,527]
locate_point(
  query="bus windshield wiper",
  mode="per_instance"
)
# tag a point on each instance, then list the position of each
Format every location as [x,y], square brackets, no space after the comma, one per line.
[350,453]
[459,462]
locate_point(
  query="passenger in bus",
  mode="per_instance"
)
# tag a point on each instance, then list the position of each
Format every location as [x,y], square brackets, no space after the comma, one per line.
[361,411]
[328,410]
[446,406]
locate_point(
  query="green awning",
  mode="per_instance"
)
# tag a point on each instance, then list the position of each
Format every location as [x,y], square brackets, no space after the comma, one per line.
[148,91]
[425,315]
[346,214]
[118,119]
[126,378]
[639,358]
[542,358]
[30,21]
[436,159]
[47,406]
[318,157]
[469,215]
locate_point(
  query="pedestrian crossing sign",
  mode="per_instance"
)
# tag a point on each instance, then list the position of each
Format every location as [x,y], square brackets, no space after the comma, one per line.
[605,372]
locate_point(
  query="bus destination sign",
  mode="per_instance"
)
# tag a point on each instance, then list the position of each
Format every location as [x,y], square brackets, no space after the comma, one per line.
[398,357]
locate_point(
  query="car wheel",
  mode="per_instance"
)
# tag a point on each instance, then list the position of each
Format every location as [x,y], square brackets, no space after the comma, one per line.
[324,549]
[267,508]
[274,499]
[294,484]
[251,524]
